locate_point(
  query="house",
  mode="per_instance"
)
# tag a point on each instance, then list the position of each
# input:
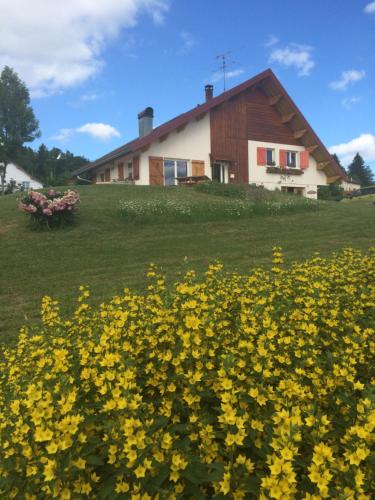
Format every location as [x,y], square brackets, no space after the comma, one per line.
[22,178]
[252,133]
[349,185]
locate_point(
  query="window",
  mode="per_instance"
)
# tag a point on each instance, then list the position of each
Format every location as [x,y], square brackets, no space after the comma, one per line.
[25,184]
[270,156]
[102,177]
[174,169]
[291,159]
[130,171]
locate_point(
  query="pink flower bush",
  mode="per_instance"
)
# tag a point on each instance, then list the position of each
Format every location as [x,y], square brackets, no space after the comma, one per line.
[50,209]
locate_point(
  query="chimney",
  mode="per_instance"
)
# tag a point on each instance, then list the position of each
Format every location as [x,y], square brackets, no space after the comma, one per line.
[145,119]
[209,90]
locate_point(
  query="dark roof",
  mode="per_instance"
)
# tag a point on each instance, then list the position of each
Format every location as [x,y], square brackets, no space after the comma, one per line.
[200,110]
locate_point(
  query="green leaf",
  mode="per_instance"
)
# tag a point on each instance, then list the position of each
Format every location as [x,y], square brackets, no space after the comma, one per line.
[94,460]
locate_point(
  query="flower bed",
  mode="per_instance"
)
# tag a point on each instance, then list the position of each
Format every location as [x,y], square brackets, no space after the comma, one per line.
[284,171]
[164,210]
[51,209]
[258,386]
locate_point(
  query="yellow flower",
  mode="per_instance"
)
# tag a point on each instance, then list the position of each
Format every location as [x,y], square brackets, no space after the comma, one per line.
[80,463]
[49,470]
[52,448]
[122,487]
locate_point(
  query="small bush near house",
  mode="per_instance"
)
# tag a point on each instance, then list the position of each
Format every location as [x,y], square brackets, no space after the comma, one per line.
[256,386]
[332,192]
[51,209]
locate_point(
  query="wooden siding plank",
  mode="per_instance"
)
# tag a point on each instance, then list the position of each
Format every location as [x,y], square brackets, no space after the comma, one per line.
[265,123]
[229,137]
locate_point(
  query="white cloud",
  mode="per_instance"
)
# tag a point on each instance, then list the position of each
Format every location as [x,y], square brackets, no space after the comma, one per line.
[64,135]
[100,131]
[370,8]
[218,75]
[348,78]
[348,102]
[89,97]
[57,44]
[271,41]
[188,40]
[294,55]
[363,144]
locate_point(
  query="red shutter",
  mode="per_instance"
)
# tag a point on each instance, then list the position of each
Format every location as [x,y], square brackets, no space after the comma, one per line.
[304,159]
[261,156]
[282,158]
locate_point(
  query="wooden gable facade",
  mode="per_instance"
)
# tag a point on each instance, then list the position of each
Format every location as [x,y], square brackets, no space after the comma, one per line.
[247,116]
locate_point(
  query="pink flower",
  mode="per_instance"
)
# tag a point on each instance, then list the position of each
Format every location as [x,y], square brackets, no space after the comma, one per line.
[27,208]
[47,211]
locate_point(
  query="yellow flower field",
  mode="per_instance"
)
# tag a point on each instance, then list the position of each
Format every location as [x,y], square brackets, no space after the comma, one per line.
[257,386]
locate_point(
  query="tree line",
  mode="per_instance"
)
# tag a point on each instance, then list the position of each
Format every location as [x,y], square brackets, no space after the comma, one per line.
[52,167]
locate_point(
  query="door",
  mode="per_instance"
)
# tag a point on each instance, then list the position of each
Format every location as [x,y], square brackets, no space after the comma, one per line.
[219,172]
[155,164]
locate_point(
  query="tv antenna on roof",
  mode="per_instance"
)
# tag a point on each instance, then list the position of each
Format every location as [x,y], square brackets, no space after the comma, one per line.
[224,63]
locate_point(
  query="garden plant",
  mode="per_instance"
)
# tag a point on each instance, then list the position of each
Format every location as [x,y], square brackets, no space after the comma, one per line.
[227,386]
[51,209]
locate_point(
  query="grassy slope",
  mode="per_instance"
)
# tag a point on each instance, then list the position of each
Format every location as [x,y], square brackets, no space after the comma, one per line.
[105,253]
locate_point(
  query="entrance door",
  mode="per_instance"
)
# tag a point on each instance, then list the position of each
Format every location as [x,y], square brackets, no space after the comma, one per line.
[219,172]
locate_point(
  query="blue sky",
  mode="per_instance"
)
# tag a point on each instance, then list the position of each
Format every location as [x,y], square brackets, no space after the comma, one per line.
[91,69]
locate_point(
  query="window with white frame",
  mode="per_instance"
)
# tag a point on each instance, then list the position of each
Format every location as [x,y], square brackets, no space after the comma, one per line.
[270,156]
[291,159]
[173,169]
[25,184]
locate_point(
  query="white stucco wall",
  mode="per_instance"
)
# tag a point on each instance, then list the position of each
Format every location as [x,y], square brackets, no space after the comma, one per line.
[19,175]
[309,180]
[350,186]
[191,143]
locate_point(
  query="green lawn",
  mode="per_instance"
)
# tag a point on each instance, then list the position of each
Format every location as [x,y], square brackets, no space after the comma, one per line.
[107,254]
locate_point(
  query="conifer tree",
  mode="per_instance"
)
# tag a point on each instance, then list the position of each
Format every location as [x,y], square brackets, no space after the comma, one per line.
[360,172]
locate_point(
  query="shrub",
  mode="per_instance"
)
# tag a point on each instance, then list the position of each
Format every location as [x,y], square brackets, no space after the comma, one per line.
[258,386]
[332,192]
[52,209]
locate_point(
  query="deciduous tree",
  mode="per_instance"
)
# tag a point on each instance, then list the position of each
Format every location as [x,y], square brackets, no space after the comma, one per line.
[17,120]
